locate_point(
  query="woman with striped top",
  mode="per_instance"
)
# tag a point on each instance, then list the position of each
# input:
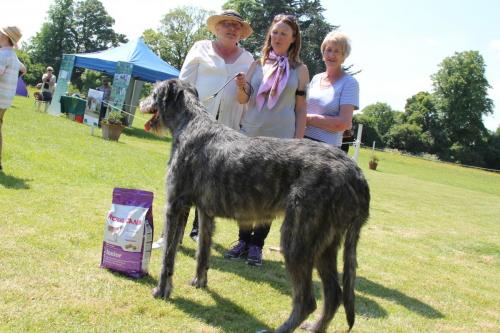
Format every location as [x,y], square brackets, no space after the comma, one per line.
[333,95]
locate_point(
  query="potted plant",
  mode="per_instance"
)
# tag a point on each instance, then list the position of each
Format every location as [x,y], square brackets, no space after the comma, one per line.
[373,162]
[112,125]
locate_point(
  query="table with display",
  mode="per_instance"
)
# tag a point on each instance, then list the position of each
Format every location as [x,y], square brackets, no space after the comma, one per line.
[73,105]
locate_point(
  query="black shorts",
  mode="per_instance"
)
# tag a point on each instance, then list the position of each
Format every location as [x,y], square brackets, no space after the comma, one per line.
[47,96]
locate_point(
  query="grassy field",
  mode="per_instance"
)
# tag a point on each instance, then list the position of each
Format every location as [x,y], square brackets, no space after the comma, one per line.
[429,258]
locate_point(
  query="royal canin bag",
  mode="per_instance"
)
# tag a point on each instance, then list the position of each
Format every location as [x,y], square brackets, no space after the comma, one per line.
[128,232]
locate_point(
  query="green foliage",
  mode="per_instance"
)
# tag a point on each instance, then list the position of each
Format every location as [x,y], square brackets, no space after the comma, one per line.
[461,92]
[408,137]
[179,29]
[312,23]
[72,27]
[377,120]
[93,27]
[34,70]
[370,133]
[114,117]
[57,35]
[90,80]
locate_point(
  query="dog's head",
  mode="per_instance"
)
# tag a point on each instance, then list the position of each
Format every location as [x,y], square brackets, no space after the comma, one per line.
[166,102]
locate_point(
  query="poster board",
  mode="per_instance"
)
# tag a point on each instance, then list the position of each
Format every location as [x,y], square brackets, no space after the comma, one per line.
[93,107]
[121,81]
[63,81]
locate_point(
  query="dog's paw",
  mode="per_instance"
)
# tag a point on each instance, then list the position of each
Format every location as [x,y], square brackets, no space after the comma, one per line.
[311,327]
[199,283]
[159,293]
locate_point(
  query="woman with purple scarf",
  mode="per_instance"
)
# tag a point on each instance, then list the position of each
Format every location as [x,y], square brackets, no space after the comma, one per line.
[274,91]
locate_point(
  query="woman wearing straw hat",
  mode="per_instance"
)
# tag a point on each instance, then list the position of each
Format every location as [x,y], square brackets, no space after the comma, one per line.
[10,66]
[210,65]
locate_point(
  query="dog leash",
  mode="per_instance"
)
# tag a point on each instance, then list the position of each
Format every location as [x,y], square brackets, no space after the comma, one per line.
[218,91]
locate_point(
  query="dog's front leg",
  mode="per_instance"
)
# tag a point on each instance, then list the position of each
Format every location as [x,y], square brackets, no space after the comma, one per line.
[203,253]
[175,222]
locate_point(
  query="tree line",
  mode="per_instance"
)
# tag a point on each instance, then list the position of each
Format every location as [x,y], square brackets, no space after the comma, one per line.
[446,122]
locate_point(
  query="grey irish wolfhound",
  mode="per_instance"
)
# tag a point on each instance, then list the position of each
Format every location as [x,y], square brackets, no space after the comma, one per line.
[320,191]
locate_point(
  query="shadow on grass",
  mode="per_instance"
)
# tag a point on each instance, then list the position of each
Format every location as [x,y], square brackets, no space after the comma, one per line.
[142,134]
[225,314]
[274,274]
[369,287]
[14,182]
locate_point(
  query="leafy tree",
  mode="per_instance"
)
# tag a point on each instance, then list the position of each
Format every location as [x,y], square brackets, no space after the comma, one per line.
[35,71]
[370,133]
[381,116]
[57,36]
[492,151]
[408,137]
[462,99]
[93,27]
[420,110]
[310,19]
[72,27]
[179,30]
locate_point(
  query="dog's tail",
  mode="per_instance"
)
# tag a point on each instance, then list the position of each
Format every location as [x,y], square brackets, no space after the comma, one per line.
[349,276]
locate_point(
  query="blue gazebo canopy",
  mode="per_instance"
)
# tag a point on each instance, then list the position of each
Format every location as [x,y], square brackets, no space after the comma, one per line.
[147,65]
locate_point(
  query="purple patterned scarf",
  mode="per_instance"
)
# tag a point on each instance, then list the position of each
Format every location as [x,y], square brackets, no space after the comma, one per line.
[274,81]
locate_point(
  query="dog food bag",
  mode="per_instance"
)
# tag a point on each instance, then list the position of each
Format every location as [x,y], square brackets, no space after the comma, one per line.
[128,232]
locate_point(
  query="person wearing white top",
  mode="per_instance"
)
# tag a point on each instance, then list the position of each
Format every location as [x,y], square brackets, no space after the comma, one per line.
[209,65]
[333,95]
[10,68]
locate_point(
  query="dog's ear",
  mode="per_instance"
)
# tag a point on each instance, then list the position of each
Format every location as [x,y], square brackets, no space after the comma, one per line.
[193,90]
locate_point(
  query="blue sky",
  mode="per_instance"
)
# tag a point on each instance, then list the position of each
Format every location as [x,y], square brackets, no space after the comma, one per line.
[398,45]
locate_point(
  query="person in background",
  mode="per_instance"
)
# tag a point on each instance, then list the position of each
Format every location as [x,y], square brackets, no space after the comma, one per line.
[48,84]
[333,95]
[274,91]
[10,68]
[209,65]
[105,87]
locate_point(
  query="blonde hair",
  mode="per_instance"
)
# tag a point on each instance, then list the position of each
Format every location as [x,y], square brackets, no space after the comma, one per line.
[294,49]
[340,39]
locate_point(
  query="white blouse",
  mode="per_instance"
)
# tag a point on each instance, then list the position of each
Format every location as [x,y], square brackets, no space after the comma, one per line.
[208,71]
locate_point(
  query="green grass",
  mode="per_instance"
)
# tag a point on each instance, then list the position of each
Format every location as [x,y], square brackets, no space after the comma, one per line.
[429,258]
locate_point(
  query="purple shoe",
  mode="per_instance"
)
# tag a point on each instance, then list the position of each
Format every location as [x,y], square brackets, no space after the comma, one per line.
[254,257]
[238,251]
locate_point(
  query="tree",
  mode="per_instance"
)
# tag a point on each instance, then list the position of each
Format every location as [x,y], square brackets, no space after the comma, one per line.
[72,27]
[35,71]
[179,30]
[462,99]
[382,117]
[420,110]
[93,27]
[408,137]
[56,36]
[309,16]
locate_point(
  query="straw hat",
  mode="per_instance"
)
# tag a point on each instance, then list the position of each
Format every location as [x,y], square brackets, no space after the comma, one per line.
[13,33]
[229,15]
[50,69]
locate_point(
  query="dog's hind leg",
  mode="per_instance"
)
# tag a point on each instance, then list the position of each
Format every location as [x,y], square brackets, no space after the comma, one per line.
[326,265]
[206,225]
[175,222]
[298,252]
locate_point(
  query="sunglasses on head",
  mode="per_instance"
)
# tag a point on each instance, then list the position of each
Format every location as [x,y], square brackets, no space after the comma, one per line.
[285,17]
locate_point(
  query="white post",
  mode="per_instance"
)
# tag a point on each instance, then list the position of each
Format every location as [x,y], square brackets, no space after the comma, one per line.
[373,147]
[357,143]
